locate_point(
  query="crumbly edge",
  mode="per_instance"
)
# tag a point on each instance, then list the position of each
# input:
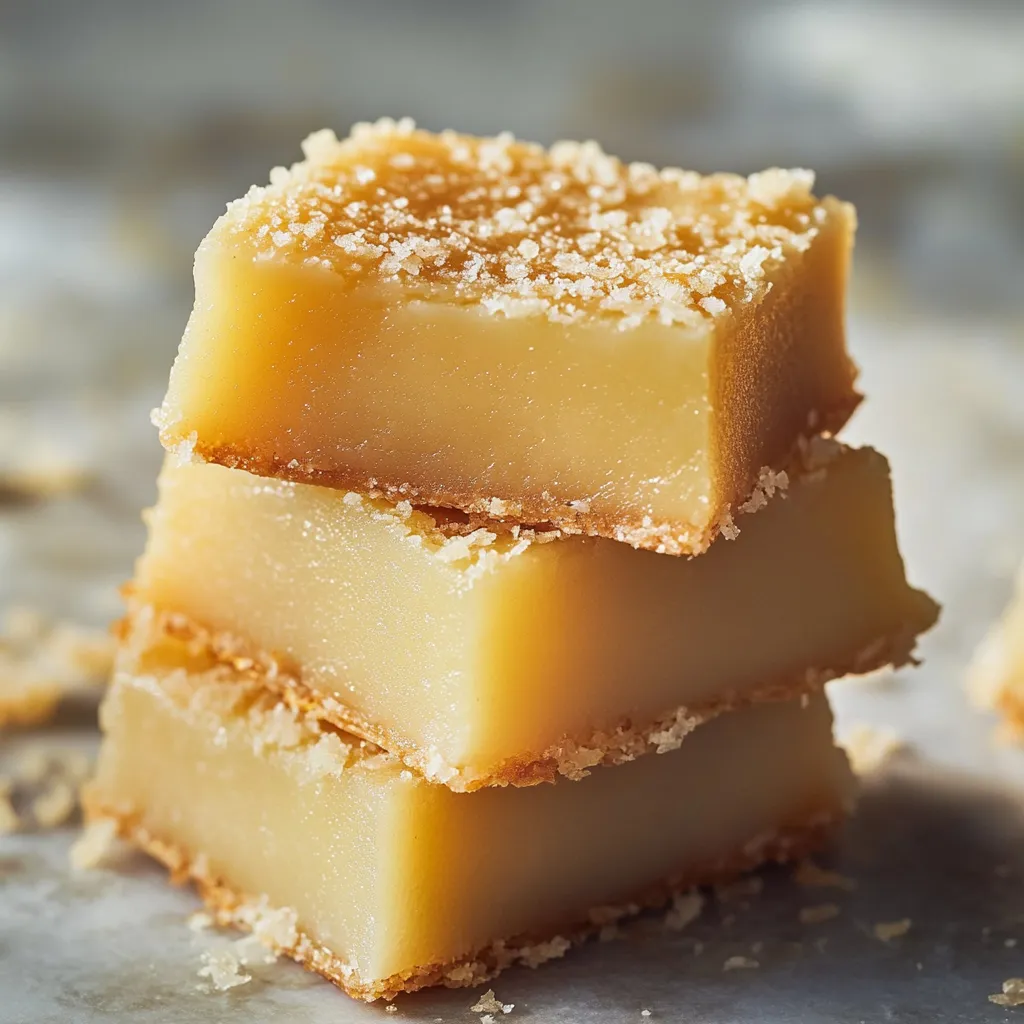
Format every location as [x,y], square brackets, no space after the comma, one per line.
[792,841]
[539,511]
[570,758]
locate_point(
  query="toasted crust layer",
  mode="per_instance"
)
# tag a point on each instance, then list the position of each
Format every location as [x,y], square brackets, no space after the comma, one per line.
[572,758]
[795,839]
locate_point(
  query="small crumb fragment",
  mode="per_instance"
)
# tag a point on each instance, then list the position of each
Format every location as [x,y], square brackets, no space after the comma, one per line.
[52,808]
[686,908]
[819,913]
[489,1003]
[223,969]
[888,930]
[391,1008]
[869,747]
[1012,994]
[645,1013]
[93,845]
[200,921]
[812,876]
[740,889]
[740,963]
[42,661]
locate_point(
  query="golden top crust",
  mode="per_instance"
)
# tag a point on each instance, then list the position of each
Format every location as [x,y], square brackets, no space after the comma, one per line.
[515,229]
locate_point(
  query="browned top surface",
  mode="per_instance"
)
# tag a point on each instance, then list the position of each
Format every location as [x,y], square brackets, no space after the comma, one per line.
[566,232]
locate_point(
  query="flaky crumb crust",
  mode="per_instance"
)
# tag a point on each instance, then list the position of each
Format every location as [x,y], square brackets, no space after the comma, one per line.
[804,834]
[572,757]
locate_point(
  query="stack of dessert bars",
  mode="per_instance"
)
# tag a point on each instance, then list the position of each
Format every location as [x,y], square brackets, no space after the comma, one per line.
[501,554]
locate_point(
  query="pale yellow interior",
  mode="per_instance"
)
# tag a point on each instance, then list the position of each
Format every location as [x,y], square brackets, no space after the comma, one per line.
[390,872]
[647,434]
[475,651]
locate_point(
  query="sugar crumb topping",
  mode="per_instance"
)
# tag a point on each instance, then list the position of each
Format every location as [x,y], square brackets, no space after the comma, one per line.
[520,230]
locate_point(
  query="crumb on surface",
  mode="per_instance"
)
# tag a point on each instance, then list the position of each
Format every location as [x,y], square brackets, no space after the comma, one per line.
[742,888]
[42,660]
[489,1003]
[1011,995]
[93,845]
[812,876]
[223,970]
[740,963]
[55,805]
[818,913]
[888,930]
[200,921]
[685,909]
[869,747]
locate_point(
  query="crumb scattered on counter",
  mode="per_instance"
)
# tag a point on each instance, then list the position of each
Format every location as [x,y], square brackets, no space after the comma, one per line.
[685,909]
[42,660]
[489,1003]
[811,876]
[223,969]
[740,963]
[55,805]
[888,930]
[869,747]
[391,1008]
[93,845]
[200,921]
[1012,994]
[742,888]
[819,913]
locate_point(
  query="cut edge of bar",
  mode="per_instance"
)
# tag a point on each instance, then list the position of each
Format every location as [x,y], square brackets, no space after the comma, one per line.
[792,840]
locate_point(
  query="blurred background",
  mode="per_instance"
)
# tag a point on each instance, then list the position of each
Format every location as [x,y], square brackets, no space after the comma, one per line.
[126,127]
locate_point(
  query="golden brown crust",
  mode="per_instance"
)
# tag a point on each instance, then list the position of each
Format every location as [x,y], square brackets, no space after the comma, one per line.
[803,834]
[571,757]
